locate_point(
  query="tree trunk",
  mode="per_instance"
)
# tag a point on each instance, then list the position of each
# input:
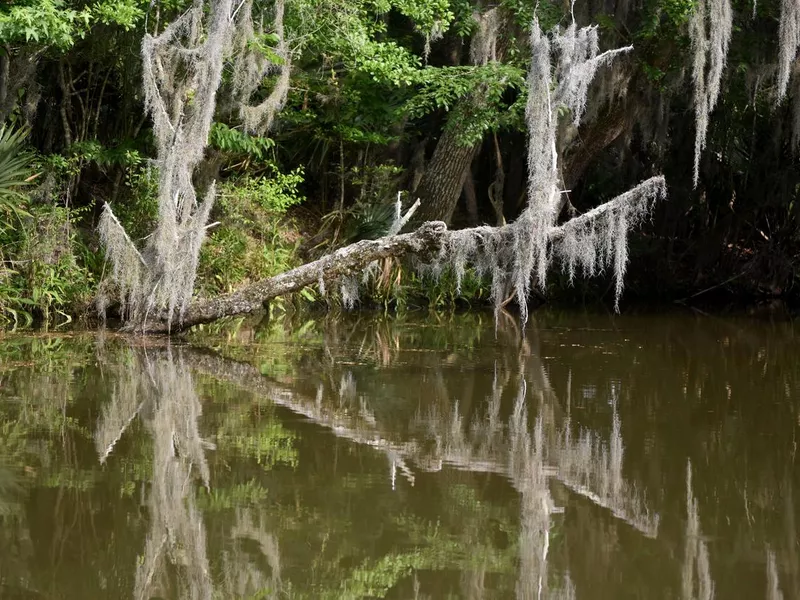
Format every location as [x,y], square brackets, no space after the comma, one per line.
[441,184]
[598,136]
[424,242]
[5,61]
[472,199]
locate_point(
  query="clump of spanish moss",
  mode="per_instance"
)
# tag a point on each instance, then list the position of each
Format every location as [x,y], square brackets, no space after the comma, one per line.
[483,49]
[710,30]
[788,43]
[518,255]
[252,66]
[181,73]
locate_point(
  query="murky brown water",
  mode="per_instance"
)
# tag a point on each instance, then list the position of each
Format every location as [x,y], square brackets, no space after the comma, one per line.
[359,457]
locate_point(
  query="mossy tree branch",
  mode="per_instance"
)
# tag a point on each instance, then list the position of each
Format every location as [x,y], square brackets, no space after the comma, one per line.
[425,242]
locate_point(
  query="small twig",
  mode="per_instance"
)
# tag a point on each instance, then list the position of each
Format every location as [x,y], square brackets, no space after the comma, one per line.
[400,222]
[709,289]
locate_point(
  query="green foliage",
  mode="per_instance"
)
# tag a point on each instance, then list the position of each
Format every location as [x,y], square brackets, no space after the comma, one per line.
[124,13]
[664,17]
[254,239]
[60,23]
[549,13]
[442,88]
[234,141]
[397,287]
[268,443]
[93,151]
[138,210]
[48,278]
[45,22]
[442,292]
[40,275]
[275,194]
[239,495]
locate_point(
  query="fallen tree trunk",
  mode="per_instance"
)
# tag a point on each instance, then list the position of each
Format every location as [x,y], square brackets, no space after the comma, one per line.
[428,243]
[425,242]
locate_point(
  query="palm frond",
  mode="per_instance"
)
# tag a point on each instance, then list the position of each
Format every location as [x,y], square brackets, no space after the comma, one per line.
[15,172]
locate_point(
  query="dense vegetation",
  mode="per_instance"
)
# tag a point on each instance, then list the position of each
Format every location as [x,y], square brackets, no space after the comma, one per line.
[426,98]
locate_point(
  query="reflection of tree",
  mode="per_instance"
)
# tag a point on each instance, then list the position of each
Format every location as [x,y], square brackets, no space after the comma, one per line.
[243,576]
[418,401]
[177,538]
[175,564]
[15,542]
[773,584]
[529,475]
[590,468]
[118,414]
[696,574]
[489,442]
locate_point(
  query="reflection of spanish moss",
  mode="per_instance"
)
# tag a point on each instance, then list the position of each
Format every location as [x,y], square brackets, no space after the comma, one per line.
[242,575]
[773,582]
[118,414]
[177,536]
[527,471]
[697,583]
[594,470]
[161,390]
[586,466]
[529,475]
[528,456]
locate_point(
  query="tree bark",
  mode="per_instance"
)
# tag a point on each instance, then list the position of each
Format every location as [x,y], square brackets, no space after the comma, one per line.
[425,241]
[593,140]
[497,187]
[5,61]
[471,198]
[443,180]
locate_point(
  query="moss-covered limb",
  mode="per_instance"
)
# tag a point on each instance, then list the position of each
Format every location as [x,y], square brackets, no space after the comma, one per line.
[425,241]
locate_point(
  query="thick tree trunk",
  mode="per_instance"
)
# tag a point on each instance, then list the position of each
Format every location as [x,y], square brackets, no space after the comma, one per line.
[471,198]
[594,139]
[425,242]
[443,180]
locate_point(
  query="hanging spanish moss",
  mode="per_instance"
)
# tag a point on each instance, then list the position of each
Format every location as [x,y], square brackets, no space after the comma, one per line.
[710,31]
[182,69]
[181,72]
[518,255]
[483,49]
[788,43]
[252,66]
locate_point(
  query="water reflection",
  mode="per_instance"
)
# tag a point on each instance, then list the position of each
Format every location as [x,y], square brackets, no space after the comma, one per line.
[696,575]
[529,455]
[377,458]
[159,386]
[773,583]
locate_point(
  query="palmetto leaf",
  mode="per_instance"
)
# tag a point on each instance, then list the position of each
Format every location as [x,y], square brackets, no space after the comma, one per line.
[14,168]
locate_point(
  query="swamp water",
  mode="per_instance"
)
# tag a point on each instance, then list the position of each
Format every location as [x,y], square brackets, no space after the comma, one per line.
[588,457]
